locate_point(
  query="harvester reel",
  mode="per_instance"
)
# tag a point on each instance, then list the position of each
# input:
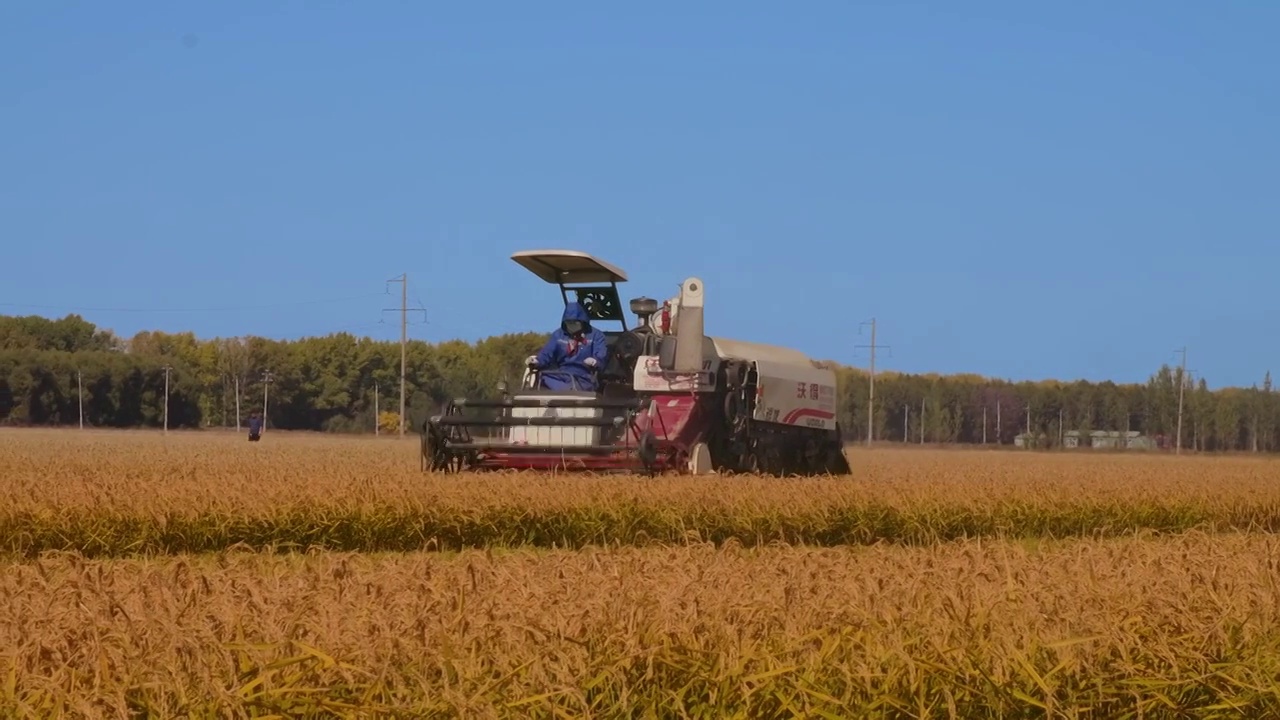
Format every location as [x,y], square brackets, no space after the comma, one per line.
[436,455]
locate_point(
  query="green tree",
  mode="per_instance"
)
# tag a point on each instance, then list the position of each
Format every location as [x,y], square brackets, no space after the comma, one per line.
[328,383]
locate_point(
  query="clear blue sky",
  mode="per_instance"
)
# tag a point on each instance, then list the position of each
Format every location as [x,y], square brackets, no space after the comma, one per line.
[1011,189]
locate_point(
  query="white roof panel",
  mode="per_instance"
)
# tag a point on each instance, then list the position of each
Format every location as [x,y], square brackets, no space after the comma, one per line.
[568,266]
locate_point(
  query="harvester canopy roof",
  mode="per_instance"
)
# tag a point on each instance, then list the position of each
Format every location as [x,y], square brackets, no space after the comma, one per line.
[568,266]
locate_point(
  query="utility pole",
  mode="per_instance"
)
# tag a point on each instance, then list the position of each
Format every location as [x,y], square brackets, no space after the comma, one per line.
[267,378]
[80,397]
[237,403]
[167,369]
[906,421]
[921,421]
[404,338]
[1195,427]
[1029,437]
[999,427]
[871,399]
[1182,384]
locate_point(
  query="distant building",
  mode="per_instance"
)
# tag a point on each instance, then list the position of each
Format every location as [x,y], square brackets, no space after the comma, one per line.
[1109,440]
[1028,440]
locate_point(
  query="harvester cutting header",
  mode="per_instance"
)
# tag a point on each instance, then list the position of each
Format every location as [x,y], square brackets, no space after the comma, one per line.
[659,396]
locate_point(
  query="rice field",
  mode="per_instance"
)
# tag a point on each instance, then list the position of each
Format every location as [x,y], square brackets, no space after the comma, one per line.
[199,575]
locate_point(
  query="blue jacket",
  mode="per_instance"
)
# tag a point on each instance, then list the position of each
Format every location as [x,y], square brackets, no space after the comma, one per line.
[565,355]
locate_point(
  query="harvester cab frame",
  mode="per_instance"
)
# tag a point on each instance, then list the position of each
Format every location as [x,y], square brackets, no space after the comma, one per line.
[593,284]
[669,397]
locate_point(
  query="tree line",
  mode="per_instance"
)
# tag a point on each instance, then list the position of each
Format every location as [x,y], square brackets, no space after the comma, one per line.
[60,371]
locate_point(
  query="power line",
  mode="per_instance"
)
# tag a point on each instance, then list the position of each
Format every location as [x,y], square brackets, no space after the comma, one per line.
[338,330]
[229,308]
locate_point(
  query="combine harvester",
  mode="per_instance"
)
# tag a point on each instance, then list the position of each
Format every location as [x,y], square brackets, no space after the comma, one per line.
[669,398]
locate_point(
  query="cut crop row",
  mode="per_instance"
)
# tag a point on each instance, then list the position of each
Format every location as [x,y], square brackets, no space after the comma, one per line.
[372,528]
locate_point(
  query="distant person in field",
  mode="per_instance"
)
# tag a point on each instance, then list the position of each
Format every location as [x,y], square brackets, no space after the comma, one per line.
[573,355]
[255,426]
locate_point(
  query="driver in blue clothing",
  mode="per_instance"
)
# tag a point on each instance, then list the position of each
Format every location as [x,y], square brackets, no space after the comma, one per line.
[574,353]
